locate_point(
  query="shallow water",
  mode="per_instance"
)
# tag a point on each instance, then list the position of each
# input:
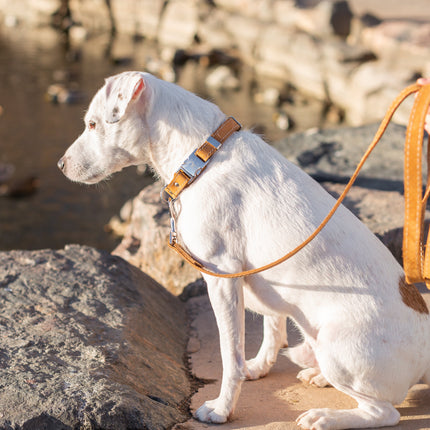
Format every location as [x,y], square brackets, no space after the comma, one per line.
[34,133]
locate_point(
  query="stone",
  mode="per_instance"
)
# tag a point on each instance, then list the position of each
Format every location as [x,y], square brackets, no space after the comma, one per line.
[331,156]
[88,341]
[31,12]
[93,15]
[403,42]
[222,78]
[371,91]
[145,242]
[212,30]
[245,32]
[141,17]
[261,9]
[179,24]
[291,56]
[327,18]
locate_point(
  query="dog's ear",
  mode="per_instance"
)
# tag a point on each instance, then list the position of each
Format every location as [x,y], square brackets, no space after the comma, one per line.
[120,92]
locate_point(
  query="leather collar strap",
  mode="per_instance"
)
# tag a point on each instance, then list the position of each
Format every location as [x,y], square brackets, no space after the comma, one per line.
[198,160]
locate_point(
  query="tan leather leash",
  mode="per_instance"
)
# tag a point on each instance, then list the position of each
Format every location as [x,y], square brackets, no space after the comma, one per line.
[416,262]
[416,268]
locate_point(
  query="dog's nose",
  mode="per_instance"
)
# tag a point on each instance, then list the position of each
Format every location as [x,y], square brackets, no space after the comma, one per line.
[60,164]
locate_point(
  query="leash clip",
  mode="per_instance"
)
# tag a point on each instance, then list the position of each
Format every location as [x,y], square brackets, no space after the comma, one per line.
[173,235]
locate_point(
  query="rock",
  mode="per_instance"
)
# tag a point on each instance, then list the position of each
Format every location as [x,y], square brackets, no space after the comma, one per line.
[269,96]
[179,23]
[292,56]
[212,30]
[402,42]
[19,188]
[283,121]
[326,18]
[88,341]
[35,13]
[261,9]
[245,32]
[6,171]
[222,78]
[93,15]
[372,90]
[59,93]
[333,154]
[377,196]
[145,242]
[381,210]
[138,18]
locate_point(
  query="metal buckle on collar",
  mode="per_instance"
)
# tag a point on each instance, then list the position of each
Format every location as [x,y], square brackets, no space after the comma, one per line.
[193,166]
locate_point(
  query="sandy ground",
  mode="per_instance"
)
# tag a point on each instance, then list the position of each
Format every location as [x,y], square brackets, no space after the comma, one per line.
[275,401]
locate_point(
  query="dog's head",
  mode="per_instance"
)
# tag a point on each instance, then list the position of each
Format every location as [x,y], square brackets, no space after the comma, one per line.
[114,131]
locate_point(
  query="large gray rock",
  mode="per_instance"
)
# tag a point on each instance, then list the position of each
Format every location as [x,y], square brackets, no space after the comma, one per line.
[331,157]
[88,341]
[145,241]
[333,154]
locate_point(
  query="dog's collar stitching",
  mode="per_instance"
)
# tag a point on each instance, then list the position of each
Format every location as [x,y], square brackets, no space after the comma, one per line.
[197,161]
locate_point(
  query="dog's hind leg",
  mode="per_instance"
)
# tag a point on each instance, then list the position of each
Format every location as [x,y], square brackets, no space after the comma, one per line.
[304,356]
[275,337]
[226,296]
[368,414]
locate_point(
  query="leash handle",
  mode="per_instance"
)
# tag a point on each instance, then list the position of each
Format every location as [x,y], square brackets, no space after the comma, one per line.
[383,126]
[415,261]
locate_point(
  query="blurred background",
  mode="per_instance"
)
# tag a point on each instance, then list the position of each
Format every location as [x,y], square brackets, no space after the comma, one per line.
[278,66]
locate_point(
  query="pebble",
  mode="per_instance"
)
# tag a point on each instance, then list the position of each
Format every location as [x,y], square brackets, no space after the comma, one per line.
[222,78]
[269,96]
[59,93]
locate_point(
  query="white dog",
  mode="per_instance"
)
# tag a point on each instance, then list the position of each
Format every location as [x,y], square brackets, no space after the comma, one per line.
[366,332]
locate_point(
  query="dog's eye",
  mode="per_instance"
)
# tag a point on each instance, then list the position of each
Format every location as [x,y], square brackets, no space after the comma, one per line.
[91,125]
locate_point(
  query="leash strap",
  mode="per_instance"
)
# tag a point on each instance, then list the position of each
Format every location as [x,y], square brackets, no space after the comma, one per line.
[198,159]
[416,261]
[412,255]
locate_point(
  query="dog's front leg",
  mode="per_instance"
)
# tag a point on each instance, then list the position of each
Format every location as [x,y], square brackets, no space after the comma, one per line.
[226,296]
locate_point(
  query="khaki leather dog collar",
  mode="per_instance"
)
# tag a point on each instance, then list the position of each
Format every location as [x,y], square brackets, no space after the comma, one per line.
[199,159]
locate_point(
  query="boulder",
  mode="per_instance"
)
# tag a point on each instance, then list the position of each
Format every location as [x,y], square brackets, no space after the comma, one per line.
[179,23]
[404,43]
[138,17]
[88,341]
[145,241]
[331,156]
[327,18]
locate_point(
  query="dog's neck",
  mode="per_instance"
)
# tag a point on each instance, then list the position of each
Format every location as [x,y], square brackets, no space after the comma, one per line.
[178,124]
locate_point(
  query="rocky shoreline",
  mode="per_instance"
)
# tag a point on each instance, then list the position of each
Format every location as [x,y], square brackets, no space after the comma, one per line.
[354,63]
[89,341]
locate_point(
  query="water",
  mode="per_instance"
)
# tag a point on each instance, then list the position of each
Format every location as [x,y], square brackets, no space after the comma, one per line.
[34,133]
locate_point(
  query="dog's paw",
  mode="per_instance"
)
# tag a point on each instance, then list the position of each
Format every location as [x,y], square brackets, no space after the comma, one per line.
[313,376]
[257,369]
[316,419]
[211,412]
